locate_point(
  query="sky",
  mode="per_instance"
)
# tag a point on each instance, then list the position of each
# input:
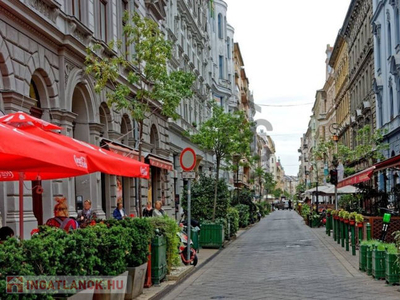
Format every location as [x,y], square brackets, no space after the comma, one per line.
[283,46]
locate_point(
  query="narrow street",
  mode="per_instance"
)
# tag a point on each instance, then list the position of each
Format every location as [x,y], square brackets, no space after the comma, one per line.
[281,258]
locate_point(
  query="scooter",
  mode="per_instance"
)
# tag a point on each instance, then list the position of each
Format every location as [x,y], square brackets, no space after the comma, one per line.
[183,247]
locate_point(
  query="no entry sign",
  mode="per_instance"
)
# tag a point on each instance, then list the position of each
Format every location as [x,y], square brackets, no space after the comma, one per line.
[187,159]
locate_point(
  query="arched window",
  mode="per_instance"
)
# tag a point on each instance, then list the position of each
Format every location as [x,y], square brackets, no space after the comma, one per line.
[220,26]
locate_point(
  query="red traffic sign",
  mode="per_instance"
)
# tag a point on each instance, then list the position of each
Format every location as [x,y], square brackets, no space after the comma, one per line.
[187,159]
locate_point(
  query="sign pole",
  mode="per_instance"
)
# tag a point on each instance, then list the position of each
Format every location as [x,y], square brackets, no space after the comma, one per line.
[187,161]
[189,221]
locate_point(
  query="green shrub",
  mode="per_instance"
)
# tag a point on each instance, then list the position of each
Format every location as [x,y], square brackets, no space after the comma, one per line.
[244,215]
[114,244]
[305,211]
[45,251]
[223,222]
[233,218]
[202,199]
[245,197]
[168,227]
[141,234]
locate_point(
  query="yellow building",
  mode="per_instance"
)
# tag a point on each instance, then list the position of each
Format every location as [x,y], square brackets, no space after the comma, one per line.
[339,61]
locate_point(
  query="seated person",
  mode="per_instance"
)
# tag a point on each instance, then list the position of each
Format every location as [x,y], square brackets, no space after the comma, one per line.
[158,211]
[86,215]
[5,233]
[61,216]
[148,210]
[119,212]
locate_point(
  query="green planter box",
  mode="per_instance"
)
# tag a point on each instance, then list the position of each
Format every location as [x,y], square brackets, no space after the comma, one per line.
[392,270]
[158,259]
[212,235]
[316,223]
[194,236]
[378,263]
[369,261]
[363,258]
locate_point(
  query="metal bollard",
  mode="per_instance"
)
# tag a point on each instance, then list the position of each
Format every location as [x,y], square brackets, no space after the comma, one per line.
[353,239]
[368,231]
[346,234]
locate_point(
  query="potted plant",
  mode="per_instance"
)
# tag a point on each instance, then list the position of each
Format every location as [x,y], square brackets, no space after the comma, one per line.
[341,215]
[378,260]
[392,269]
[352,218]
[345,216]
[359,220]
[115,242]
[141,232]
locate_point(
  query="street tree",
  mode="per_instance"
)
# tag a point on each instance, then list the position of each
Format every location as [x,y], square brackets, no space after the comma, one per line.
[269,183]
[147,87]
[259,175]
[224,134]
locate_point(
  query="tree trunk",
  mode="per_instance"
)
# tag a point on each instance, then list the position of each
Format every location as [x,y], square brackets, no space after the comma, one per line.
[216,189]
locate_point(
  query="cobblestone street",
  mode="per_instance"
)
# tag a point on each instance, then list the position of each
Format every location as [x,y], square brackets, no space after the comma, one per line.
[281,258]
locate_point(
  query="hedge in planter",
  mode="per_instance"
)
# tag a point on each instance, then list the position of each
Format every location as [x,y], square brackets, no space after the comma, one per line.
[168,227]
[202,195]
[392,269]
[233,219]
[244,215]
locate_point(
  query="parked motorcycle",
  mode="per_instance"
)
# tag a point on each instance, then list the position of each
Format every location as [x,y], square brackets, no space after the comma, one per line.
[183,247]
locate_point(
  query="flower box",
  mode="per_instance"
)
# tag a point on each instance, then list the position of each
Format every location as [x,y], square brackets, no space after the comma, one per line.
[378,263]
[392,269]
[363,258]
[136,278]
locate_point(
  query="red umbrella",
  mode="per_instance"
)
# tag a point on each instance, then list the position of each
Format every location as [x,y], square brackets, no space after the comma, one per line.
[21,119]
[27,157]
[99,159]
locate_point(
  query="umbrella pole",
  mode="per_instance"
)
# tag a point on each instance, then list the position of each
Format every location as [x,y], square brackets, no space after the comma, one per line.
[21,205]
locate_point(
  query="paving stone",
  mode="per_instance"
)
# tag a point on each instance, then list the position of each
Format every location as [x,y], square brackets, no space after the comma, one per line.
[281,258]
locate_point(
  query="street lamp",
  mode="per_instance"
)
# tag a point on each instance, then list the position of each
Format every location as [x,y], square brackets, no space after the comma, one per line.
[335,129]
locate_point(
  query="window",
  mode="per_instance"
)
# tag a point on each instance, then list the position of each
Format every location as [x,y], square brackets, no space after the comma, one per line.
[221,67]
[103,20]
[391,102]
[76,9]
[397,25]
[228,47]
[124,9]
[220,26]
[389,40]
[398,94]
[378,54]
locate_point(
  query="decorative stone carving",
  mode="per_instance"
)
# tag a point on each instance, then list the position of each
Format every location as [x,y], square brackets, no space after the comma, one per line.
[48,8]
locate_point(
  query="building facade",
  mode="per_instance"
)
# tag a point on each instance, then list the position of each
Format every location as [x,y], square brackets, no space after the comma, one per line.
[42,72]
[357,31]
[386,29]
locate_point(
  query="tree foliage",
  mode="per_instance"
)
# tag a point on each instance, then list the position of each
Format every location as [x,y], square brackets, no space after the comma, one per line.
[139,82]
[224,134]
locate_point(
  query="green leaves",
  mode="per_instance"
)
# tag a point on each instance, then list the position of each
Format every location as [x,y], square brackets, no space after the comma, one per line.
[148,78]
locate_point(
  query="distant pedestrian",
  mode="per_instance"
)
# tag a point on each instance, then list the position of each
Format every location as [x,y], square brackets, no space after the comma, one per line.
[61,216]
[148,210]
[290,205]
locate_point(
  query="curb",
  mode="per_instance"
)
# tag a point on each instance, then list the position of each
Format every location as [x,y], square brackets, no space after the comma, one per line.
[193,270]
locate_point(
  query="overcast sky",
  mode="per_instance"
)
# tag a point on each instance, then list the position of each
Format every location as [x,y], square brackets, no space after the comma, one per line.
[283,46]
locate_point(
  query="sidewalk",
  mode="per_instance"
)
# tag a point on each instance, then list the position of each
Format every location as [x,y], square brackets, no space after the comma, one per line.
[182,272]
[349,261]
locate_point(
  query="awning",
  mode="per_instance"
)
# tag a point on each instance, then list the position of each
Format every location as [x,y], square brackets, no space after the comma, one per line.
[357,178]
[159,162]
[388,163]
[121,149]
